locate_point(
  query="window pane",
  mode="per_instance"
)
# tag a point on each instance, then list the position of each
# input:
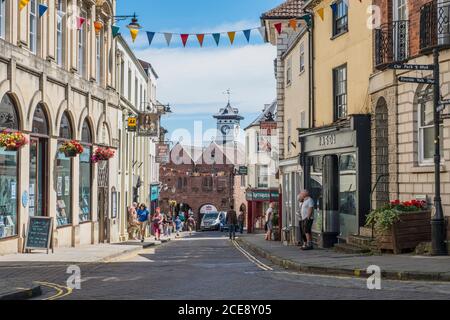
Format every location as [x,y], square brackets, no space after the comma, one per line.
[2,18]
[63,190]
[65,131]
[8,193]
[40,124]
[85,185]
[8,115]
[427,114]
[428,142]
[86,133]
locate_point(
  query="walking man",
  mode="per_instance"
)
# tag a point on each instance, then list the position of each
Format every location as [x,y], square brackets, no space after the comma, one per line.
[143,217]
[241,218]
[307,219]
[269,224]
[232,222]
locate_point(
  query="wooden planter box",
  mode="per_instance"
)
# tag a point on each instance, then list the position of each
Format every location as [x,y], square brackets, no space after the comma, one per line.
[411,230]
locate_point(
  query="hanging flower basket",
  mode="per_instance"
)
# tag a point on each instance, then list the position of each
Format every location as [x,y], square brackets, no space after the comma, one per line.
[102,154]
[12,140]
[71,148]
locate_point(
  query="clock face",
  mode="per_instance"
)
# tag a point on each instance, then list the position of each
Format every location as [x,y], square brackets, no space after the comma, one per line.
[225,129]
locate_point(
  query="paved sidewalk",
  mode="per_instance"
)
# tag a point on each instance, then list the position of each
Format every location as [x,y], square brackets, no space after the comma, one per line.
[323,261]
[19,287]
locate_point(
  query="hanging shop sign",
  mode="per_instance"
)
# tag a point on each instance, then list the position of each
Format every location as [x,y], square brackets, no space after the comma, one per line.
[148,125]
[243,171]
[132,124]
[162,153]
[154,192]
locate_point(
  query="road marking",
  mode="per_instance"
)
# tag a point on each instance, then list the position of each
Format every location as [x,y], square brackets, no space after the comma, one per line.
[250,257]
[59,289]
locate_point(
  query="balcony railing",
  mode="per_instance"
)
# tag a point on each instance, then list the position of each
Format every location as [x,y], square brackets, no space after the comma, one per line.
[391,43]
[435,25]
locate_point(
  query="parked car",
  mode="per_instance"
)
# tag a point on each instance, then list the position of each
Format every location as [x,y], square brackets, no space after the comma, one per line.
[211,221]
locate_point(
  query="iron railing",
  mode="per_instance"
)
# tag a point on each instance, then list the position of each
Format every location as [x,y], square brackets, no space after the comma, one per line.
[391,43]
[435,24]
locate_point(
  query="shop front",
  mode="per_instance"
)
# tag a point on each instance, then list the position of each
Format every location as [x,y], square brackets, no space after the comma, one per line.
[336,165]
[258,202]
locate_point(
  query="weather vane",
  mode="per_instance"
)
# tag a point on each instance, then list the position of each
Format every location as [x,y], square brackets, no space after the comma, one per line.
[228,92]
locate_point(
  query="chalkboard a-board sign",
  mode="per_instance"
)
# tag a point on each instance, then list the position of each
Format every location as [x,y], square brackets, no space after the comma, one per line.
[39,234]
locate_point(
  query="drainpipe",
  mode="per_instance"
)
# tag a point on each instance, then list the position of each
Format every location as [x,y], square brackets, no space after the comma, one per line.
[312,102]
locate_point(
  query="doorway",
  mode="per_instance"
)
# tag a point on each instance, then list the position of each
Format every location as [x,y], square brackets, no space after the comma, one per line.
[38,178]
[103,201]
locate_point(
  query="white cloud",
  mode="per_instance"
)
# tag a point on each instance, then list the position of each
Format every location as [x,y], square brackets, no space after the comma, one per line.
[197,77]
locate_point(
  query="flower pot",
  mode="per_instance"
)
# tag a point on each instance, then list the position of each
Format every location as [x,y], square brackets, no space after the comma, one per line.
[70,153]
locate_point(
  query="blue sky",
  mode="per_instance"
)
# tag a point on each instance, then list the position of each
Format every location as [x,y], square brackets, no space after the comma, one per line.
[193,79]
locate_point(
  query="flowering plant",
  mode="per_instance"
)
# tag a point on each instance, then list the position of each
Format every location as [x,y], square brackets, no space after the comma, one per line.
[71,148]
[101,154]
[383,219]
[12,140]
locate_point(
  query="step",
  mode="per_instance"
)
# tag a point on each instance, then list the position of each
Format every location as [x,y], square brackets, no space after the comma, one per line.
[350,249]
[361,241]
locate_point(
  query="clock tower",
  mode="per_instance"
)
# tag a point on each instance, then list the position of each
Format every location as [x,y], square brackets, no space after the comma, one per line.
[228,124]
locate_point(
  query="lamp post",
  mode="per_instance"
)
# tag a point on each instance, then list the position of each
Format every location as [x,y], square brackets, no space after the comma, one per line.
[439,247]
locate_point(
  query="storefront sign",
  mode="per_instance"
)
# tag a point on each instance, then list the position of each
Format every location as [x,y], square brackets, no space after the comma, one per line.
[268,128]
[335,140]
[162,153]
[154,192]
[39,233]
[132,124]
[327,140]
[148,125]
[262,195]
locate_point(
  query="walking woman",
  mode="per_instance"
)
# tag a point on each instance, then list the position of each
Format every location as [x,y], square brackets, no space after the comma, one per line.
[143,215]
[157,220]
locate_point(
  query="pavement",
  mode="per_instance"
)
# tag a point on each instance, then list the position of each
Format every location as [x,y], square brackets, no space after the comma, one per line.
[20,289]
[329,262]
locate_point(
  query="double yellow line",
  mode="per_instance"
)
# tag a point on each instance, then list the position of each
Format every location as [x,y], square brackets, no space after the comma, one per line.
[61,291]
[250,257]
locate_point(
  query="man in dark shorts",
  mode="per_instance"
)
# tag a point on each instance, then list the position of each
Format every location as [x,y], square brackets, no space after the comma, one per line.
[307,212]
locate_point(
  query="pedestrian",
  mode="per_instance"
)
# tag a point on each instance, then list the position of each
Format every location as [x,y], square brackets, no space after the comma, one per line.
[156,222]
[133,223]
[307,219]
[191,224]
[232,222]
[269,225]
[182,218]
[178,225]
[165,225]
[143,218]
[301,237]
[241,218]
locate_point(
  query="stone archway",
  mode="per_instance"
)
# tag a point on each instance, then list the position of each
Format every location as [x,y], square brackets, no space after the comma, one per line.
[381,152]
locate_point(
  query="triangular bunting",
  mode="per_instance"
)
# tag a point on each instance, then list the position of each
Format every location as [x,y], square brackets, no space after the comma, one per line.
[184,39]
[216,37]
[42,9]
[150,36]
[231,35]
[278,27]
[134,34]
[80,22]
[115,31]
[168,37]
[23,4]
[293,24]
[247,34]
[200,38]
[321,13]
[262,31]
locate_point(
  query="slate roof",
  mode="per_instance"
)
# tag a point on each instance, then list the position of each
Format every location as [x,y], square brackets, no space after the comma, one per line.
[271,108]
[288,9]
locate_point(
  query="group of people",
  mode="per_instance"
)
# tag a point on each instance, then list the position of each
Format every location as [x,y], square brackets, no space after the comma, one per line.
[139,218]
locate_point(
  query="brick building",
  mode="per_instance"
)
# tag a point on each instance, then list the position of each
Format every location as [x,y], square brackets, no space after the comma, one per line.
[402,122]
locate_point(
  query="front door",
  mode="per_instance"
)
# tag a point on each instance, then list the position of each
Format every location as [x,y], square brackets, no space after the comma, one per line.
[103,201]
[38,177]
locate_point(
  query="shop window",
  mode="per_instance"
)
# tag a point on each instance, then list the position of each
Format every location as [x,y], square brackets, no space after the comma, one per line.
[8,173]
[2,18]
[85,186]
[340,92]
[347,194]
[64,176]
[340,18]
[426,126]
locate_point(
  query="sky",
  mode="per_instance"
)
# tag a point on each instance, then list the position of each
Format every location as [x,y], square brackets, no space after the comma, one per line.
[193,80]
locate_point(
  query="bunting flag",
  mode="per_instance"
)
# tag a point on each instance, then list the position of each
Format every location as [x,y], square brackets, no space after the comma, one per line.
[134,34]
[42,9]
[216,37]
[293,24]
[231,35]
[80,22]
[184,38]
[278,27]
[23,4]
[247,34]
[150,36]
[262,31]
[321,13]
[168,37]
[115,31]
[200,38]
